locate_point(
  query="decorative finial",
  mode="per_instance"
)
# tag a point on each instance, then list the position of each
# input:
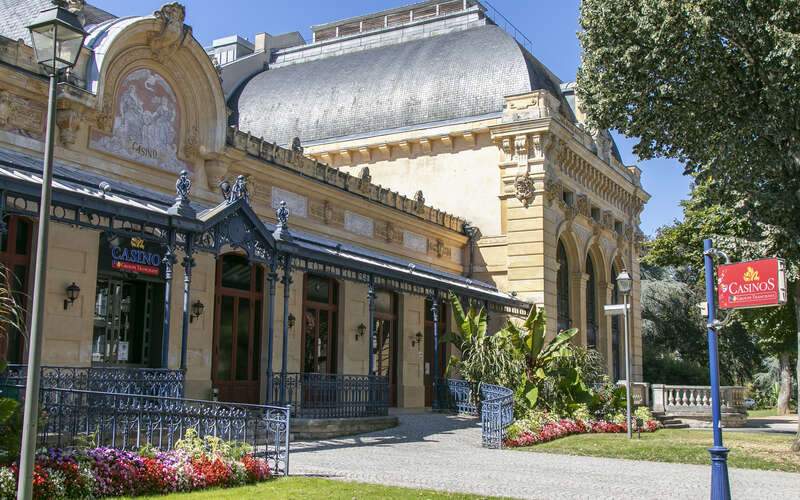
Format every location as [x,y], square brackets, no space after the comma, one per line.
[239,190]
[283,214]
[182,186]
[282,229]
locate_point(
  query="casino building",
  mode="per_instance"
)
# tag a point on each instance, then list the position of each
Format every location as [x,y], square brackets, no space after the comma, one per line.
[335,191]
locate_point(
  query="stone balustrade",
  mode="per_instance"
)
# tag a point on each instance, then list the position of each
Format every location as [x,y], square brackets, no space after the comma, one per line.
[692,404]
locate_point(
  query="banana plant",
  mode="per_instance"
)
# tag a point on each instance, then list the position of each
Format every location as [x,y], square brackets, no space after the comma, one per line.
[528,342]
[470,334]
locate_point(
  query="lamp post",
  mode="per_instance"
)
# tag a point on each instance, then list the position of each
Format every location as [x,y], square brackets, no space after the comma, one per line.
[57,40]
[625,283]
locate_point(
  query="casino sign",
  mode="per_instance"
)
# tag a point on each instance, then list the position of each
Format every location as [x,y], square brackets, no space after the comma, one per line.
[747,285]
[135,255]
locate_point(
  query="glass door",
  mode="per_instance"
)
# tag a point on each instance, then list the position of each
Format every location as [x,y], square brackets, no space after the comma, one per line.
[15,249]
[384,341]
[237,329]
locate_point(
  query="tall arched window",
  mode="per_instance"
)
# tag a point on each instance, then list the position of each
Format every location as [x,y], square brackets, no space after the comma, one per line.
[562,288]
[591,305]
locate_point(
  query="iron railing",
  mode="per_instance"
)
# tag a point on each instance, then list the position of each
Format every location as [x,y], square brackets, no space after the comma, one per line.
[70,417]
[494,404]
[329,395]
[129,380]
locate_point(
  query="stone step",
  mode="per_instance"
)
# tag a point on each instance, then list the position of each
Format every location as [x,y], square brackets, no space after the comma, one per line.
[678,425]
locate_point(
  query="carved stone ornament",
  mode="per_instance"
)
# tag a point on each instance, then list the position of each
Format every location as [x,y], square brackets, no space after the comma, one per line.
[192,145]
[582,205]
[296,147]
[172,32]
[68,121]
[364,180]
[521,150]
[523,186]
[105,117]
[419,201]
[553,192]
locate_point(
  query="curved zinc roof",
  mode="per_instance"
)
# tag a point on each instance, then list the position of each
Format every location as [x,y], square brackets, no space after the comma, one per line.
[436,79]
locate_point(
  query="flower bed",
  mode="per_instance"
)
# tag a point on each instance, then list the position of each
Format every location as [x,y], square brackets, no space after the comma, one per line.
[567,427]
[105,472]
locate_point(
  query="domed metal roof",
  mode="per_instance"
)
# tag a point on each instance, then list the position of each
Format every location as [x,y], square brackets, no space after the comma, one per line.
[436,79]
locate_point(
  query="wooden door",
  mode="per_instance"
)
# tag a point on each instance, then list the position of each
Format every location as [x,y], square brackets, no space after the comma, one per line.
[237,329]
[15,252]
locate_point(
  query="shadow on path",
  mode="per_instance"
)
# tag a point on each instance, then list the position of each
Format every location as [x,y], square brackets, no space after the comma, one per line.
[412,428]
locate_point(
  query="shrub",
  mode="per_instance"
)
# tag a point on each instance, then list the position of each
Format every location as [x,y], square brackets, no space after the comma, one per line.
[105,472]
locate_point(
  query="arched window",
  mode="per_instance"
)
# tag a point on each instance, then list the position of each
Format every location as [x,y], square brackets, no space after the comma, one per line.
[562,288]
[591,305]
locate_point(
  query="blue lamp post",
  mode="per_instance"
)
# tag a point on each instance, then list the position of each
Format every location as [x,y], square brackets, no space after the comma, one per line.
[720,487]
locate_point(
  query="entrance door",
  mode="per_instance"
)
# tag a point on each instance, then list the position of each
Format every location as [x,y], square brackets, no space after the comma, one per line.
[15,251]
[237,329]
[127,320]
[320,321]
[442,361]
[384,342]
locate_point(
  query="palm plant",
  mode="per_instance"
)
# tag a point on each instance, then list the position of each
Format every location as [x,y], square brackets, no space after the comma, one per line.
[483,358]
[527,342]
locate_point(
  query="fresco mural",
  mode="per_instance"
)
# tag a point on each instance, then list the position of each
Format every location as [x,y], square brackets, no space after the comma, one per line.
[146,123]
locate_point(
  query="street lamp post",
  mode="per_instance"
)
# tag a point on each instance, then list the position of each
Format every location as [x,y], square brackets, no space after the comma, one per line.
[57,39]
[624,284]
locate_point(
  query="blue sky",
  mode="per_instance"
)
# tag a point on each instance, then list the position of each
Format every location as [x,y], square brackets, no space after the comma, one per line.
[551,27]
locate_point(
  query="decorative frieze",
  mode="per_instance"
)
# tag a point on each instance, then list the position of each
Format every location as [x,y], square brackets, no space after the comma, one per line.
[326,212]
[387,232]
[415,242]
[359,224]
[21,115]
[297,204]
[339,179]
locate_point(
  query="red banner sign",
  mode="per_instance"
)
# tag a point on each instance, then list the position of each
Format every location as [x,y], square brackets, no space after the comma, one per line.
[758,283]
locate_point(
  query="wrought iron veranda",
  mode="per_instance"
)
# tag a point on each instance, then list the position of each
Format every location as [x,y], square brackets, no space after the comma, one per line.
[128,421]
[328,395]
[494,404]
[128,380]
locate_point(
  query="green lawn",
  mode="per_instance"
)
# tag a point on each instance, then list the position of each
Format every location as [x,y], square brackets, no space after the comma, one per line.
[767,451]
[304,488]
[767,412]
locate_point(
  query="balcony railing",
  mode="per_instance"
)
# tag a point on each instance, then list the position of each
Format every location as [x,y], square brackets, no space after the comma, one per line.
[328,395]
[494,404]
[146,381]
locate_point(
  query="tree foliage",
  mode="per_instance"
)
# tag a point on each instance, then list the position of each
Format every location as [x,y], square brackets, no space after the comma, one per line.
[715,84]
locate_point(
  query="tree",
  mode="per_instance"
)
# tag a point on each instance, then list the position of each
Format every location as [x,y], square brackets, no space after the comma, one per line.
[713,83]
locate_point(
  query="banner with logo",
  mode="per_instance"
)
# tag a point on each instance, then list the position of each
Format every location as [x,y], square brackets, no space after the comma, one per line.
[758,283]
[131,254]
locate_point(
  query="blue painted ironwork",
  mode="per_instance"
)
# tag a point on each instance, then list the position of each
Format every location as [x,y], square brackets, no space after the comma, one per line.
[371,304]
[128,421]
[272,277]
[720,486]
[493,403]
[188,263]
[331,395]
[143,381]
[435,312]
[287,282]
[169,262]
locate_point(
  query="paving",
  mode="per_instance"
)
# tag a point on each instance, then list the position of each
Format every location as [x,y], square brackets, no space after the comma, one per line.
[443,452]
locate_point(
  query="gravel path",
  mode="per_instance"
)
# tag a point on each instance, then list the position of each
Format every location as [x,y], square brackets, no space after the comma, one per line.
[443,452]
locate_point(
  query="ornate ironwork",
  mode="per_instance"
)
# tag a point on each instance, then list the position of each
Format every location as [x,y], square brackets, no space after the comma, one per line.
[239,190]
[330,395]
[128,421]
[145,381]
[182,186]
[494,404]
